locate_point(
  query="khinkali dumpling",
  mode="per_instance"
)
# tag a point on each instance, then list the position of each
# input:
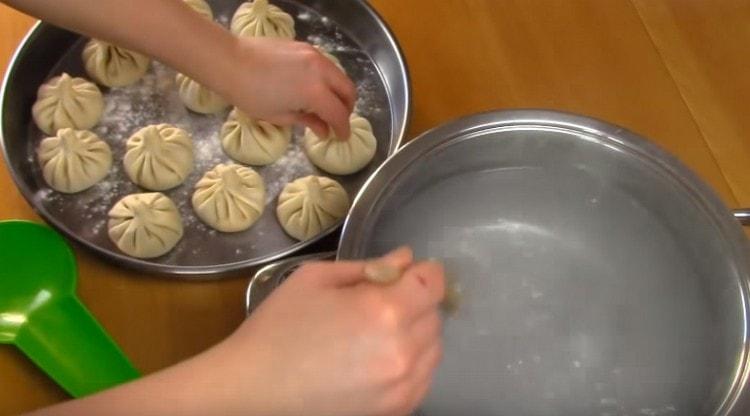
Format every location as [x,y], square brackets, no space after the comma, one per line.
[258,18]
[65,101]
[74,160]
[254,142]
[112,65]
[229,197]
[145,225]
[201,7]
[342,157]
[159,156]
[197,97]
[311,205]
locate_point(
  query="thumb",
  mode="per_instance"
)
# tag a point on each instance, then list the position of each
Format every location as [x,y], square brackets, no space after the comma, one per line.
[347,273]
[389,268]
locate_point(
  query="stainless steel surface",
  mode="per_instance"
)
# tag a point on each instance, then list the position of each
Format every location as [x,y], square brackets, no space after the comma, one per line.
[743,216]
[599,275]
[583,293]
[369,52]
[272,275]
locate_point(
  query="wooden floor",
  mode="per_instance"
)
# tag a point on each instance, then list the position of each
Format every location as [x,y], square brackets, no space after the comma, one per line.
[676,71]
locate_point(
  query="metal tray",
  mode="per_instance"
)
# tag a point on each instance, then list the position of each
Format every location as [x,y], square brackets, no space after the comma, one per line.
[354,33]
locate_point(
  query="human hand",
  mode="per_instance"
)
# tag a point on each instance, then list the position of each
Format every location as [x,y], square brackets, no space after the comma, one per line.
[281,81]
[286,82]
[328,343]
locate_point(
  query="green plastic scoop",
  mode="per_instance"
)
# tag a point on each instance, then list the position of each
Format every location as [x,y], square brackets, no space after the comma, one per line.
[41,315]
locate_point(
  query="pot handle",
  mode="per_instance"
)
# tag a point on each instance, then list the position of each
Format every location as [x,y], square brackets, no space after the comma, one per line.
[743,216]
[271,276]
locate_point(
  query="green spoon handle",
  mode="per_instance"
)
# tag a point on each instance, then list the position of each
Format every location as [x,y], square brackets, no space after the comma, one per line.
[64,340]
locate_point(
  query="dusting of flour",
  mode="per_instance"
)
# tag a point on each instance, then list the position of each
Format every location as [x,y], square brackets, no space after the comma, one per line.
[154,99]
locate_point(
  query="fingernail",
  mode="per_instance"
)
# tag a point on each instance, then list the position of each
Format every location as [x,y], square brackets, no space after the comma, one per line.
[395,254]
[401,249]
[381,273]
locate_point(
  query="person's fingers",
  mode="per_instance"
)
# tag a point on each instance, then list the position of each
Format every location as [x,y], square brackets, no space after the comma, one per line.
[421,288]
[425,332]
[329,107]
[334,273]
[318,126]
[423,374]
[427,363]
[400,257]
[389,268]
[343,87]
[281,119]
[343,273]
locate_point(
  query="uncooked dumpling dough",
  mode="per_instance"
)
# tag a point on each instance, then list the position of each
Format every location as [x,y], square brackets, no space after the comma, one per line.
[229,197]
[342,157]
[112,65]
[258,18]
[159,157]
[201,7]
[65,101]
[251,141]
[197,97]
[145,225]
[74,160]
[311,205]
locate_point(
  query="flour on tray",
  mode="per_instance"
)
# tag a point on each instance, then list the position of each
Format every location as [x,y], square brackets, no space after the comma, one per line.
[154,99]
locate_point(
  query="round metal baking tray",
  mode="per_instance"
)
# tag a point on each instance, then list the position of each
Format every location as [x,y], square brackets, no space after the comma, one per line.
[352,30]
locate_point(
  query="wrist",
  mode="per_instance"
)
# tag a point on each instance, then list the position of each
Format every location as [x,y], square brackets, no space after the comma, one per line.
[219,67]
[235,70]
[255,389]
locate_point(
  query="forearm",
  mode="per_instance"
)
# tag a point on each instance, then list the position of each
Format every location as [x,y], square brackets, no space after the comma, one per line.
[203,385]
[277,80]
[167,30]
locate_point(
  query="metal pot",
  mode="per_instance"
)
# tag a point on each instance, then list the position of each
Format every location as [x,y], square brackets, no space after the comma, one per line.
[598,274]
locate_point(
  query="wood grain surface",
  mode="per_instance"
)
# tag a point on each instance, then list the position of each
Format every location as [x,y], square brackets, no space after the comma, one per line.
[674,71]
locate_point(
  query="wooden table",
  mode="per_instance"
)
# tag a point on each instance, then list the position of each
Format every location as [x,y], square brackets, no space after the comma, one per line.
[675,71]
